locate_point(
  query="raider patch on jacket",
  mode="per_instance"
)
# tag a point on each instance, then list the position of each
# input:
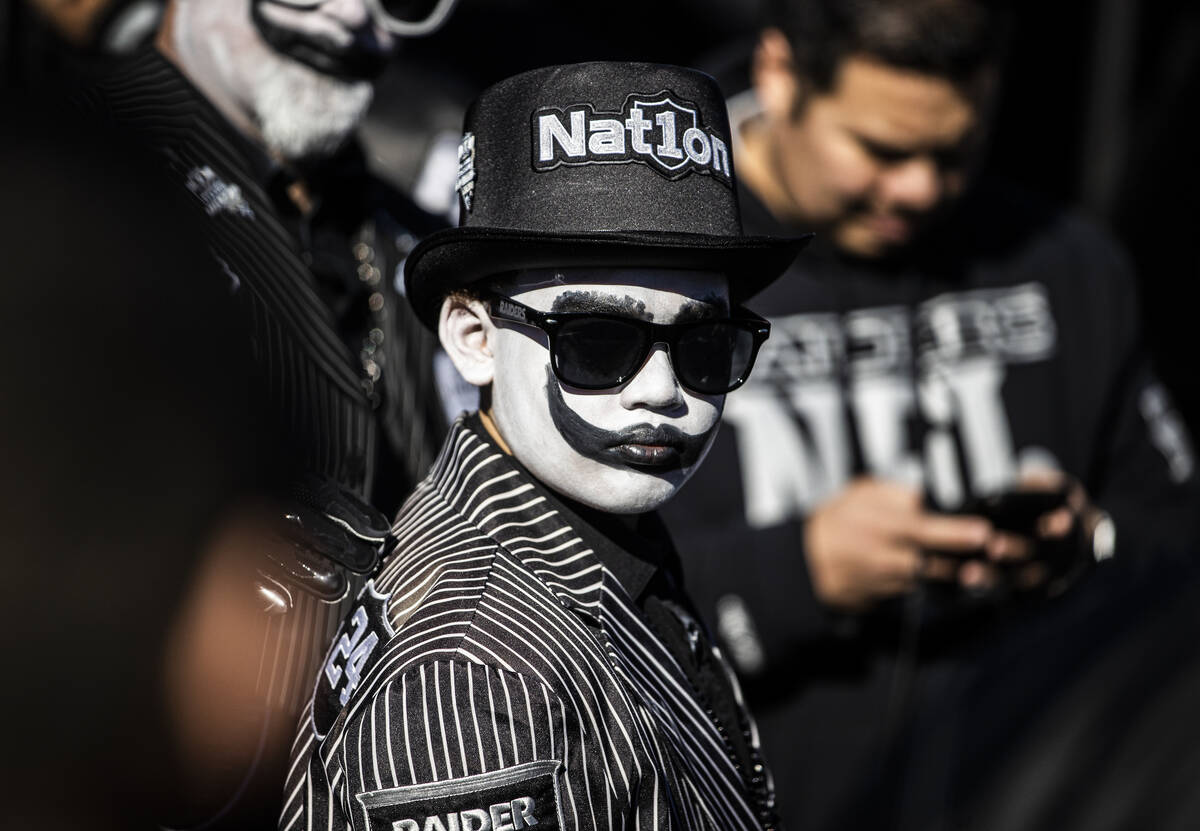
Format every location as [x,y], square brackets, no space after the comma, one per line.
[511,799]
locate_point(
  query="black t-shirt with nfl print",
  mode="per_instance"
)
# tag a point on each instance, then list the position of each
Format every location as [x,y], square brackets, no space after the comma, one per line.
[1007,340]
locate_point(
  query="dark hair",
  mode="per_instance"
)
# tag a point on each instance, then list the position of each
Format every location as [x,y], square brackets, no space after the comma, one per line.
[953,39]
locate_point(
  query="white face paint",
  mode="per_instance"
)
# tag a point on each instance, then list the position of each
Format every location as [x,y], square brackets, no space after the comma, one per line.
[299,111]
[599,447]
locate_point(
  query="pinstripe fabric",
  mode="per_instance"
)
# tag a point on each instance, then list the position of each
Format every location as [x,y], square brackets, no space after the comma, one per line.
[313,381]
[507,641]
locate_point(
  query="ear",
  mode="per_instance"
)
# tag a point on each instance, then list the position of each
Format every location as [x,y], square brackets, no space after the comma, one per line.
[467,334]
[776,84]
[164,37]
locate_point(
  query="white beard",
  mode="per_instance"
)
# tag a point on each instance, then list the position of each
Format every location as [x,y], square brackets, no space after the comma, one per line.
[304,114]
[299,112]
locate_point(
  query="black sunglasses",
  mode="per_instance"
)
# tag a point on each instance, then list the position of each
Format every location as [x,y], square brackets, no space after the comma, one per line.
[593,351]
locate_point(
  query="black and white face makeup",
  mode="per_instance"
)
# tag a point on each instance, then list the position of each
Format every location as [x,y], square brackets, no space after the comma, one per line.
[300,78]
[625,450]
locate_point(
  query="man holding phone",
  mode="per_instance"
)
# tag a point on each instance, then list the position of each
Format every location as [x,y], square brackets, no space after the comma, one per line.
[953,417]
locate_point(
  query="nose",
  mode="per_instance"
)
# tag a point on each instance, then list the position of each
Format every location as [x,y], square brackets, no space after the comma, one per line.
[353,14]
[913,185]
[655,386]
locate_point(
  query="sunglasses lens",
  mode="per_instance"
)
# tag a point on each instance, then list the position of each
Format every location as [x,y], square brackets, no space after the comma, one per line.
[713,358]
[598,353]
[409,11]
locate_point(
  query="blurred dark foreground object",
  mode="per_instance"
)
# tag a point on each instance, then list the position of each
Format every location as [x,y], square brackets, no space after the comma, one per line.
[128,426]
[112,26]
[1120,748]
[1079,719]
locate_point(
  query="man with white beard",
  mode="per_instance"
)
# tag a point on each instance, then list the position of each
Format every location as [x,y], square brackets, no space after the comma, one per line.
[302,100]
[526,657]
[252,105]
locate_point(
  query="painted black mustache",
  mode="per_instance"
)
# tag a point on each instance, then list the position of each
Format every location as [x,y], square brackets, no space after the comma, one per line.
[356,62]
[657,448]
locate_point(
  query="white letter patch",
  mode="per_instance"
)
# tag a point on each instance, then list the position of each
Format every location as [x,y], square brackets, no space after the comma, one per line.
[654,130]
[356,648]
[512,799]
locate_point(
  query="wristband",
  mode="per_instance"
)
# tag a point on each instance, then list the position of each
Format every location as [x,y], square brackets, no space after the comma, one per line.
[1104,538]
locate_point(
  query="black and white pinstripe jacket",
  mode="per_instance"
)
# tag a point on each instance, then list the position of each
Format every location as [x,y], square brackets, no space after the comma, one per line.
[313,381]
[494,675]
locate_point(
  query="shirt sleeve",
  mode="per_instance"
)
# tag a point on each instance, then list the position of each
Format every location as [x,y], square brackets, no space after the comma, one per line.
[1147,479]
[476,746]
[1143,467]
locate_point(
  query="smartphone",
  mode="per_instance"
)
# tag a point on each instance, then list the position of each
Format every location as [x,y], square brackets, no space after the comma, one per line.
[1017,511]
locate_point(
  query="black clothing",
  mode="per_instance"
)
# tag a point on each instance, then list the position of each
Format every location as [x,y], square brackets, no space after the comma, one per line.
[346,369]
[1008,338]
[643,560]
[319,289]
[496,662]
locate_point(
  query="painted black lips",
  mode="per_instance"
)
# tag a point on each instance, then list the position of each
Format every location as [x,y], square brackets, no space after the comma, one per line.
[662,447]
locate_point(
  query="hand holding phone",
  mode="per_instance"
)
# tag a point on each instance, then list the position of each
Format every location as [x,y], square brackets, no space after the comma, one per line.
[1041,533]
[1019,510]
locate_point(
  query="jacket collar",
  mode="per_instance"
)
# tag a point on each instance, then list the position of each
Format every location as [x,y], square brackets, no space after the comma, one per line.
[494,491]
[151,95]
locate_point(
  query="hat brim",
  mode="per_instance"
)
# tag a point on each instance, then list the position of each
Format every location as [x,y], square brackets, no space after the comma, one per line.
[457,257]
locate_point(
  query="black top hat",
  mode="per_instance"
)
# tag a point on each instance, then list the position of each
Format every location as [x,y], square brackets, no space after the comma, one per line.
[621,164]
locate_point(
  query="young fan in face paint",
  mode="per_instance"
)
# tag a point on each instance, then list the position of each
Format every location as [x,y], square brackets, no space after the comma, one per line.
[623,450]
[594,297]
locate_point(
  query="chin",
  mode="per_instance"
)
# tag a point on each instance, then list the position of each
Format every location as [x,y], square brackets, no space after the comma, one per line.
[860,242]
[629,491]
[304,114]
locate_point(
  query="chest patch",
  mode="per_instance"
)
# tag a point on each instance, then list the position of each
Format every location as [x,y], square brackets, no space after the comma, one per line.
[356,648]
[216,195]
[511,799]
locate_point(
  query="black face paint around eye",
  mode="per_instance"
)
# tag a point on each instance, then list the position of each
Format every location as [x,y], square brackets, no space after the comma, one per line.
[590,301]
[655,449]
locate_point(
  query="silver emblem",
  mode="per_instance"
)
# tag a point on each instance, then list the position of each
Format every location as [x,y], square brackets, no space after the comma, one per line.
[465,185]
[216,195]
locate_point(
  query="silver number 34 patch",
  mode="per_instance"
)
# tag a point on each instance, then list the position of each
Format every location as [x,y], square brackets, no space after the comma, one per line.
[350,657]
[354,648]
